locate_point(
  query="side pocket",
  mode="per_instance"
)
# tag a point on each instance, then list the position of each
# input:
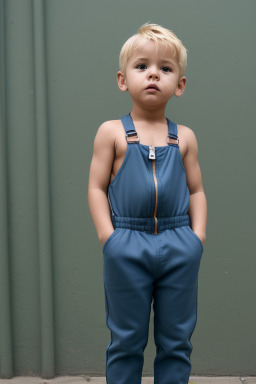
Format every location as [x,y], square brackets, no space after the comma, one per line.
[109,239]
[196,237]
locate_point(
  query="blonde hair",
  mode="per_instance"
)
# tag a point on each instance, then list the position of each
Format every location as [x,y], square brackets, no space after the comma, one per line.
[156,33]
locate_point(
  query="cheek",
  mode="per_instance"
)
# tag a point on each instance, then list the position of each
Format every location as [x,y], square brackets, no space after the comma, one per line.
[135,84]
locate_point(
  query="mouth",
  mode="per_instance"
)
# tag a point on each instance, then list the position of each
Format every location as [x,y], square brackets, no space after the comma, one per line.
[152,86]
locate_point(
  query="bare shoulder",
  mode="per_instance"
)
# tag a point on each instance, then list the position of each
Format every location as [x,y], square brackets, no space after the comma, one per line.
[108,126]
[186,136]
[111,133]
[107,132]
[185,131]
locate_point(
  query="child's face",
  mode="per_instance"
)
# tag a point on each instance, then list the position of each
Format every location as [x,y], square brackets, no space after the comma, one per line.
[146,67]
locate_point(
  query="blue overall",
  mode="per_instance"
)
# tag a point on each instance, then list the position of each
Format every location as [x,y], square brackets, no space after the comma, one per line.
[152,254]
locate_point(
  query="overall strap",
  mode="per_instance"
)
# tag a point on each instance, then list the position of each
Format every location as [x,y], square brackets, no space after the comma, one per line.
[131,134]
[172,133]
[133,137]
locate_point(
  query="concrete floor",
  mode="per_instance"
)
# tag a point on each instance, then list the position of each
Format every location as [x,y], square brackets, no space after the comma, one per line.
[145,380]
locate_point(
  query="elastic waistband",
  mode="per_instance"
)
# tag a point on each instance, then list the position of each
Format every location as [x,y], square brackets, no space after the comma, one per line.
[148,223]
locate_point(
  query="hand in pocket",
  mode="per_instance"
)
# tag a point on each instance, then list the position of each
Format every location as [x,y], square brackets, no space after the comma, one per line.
[103,241]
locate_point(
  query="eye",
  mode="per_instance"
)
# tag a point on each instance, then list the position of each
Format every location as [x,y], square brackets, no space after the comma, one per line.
[168,69]
[143,65]
[139,65]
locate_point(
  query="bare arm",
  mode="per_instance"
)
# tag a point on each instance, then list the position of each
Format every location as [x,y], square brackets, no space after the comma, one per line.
[198,205]
[99,177]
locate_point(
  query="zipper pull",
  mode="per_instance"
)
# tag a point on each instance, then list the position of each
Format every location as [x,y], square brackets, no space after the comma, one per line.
[152,153]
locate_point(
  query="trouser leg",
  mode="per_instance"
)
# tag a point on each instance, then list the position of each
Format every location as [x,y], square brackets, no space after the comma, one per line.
[128,288]
[175,310]
[173,327]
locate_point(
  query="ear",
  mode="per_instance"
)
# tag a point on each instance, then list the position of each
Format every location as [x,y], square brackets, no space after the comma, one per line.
[121,81]
[181,86]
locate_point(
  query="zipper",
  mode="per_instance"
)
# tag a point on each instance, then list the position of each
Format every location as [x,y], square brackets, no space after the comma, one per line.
[152,156]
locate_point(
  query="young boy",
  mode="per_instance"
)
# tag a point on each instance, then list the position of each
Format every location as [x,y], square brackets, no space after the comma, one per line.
[148,205]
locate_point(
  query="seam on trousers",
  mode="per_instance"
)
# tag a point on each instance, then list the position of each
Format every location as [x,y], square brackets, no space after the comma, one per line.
[107,308]
[139,376]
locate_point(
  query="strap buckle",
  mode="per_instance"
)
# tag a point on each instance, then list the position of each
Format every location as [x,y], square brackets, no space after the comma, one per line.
[172,137]
[132,134]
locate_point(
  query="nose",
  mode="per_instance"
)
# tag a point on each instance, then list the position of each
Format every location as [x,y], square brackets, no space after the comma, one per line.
[153,73]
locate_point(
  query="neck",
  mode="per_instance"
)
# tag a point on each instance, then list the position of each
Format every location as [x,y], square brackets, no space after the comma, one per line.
[149,115]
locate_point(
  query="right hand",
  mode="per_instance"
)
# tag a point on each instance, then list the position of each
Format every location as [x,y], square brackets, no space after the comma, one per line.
[104,239]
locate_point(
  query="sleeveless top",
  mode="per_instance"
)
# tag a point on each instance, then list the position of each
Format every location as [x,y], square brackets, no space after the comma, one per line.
[150,184]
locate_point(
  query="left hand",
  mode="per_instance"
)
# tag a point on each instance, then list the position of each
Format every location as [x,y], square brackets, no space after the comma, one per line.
[201,237]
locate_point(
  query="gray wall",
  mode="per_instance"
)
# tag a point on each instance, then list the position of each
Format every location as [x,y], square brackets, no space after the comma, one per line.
[58,84]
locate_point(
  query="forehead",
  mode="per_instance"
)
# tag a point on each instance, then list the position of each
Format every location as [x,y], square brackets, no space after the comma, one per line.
[147,49]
